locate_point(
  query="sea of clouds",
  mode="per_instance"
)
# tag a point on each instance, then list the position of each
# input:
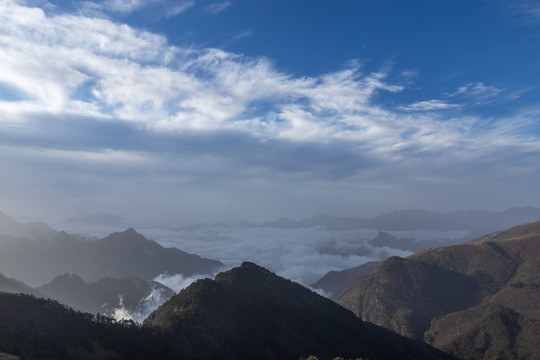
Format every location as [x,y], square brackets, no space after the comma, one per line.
[302,255]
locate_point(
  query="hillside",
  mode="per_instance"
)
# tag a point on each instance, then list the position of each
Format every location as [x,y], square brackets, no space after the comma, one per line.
[448,296]
[251,313]
[119,255]
[486,331]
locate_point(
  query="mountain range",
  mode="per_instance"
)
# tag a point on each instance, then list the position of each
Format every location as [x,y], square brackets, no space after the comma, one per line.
[476,222]
[477,300]
[128,297]
[118,255]
[245,313]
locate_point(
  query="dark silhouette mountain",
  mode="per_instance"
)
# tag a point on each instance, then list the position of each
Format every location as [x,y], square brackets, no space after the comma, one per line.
[134,295]
[251,313]
[118,255]
[32,328]
[334,282]
[32,230]
[457,297]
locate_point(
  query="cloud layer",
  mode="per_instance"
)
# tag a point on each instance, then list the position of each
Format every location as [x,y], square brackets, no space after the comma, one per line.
[302,255]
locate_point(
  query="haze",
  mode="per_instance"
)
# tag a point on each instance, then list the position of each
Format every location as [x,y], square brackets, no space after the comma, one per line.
[187,111]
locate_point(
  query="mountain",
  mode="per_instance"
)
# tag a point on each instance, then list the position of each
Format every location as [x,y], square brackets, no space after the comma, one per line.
[133,295]
[404,295]
[118,255]
[31,230]
[251,313]
[479,295]
[15,286]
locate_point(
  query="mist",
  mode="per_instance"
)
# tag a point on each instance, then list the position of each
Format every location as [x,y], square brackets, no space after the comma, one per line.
[301,255]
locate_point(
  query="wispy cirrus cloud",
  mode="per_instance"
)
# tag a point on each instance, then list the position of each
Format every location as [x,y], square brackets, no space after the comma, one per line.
[528,10]
[429,105]
[218,7]
[478,92]
[163,8]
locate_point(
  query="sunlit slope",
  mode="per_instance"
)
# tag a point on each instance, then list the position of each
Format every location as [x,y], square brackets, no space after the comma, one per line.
[495,276]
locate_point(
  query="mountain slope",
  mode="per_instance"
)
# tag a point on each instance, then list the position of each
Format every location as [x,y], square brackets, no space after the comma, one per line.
[448,296]
[404,295]
[531,229]
[118,255]
[251,313]
[486,331]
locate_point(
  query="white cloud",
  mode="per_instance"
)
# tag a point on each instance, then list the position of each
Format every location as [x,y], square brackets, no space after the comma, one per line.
[179,7]
[141,311]
[67,63]
[218,7]
[429,105]
[478,92]
[124,6]
[165,8]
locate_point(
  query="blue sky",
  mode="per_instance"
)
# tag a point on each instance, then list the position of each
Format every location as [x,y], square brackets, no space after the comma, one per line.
[185,111]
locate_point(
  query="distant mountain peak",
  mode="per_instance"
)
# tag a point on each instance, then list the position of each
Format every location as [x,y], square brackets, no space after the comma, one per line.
[131,231]
[130,235]
[250,265]
[247,271]
[63,236]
